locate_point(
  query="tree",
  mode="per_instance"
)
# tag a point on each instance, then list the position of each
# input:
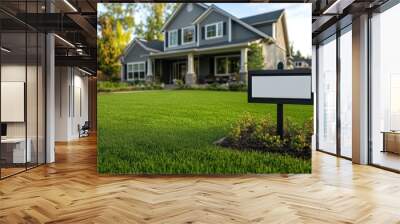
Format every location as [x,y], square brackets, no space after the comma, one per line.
[115,25]
[255,57]
[156,17]
[155,21]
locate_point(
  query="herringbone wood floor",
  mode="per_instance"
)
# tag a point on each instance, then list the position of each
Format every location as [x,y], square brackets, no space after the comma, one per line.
[70,191]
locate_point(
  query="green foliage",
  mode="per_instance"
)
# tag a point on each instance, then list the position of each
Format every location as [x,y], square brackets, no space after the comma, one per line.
[231,86]
[157,13]
[260,134]
[237,86]
[106,86]
[115,25]
[255,57]
[173,132]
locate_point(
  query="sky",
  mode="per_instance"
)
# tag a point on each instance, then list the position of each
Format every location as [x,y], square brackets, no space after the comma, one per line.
[298,16]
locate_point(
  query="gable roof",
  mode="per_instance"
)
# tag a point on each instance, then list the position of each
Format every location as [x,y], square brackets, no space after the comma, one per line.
[177,9]
[267,17]
[234,18]
[152,46]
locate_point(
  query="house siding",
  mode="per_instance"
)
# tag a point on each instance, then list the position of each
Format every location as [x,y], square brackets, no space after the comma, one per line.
[265,28]
[137,53]
[184,19]
[213,17]
[240,33]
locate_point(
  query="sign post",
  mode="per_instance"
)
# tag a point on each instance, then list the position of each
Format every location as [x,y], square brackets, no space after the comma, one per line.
[280,87]
[279,119]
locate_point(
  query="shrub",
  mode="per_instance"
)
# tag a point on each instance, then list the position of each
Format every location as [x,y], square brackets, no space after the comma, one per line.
[260,134]
[106,86]
[237,86]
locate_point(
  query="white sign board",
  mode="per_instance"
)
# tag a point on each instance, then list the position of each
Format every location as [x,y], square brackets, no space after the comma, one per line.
[12,101]
[280,86]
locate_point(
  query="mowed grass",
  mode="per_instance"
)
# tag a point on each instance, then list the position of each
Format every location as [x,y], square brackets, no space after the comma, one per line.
[172,132]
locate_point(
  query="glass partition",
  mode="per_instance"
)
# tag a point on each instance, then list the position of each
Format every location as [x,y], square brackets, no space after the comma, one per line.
[14,153]
[22,88]
[346,92]
[327,95]
[385,89]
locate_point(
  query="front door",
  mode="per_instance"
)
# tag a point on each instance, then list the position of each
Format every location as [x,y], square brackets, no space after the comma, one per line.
[179,70]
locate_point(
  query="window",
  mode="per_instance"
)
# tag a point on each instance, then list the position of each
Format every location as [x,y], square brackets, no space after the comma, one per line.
[327,95]
[221,66]
[227,65]
[385,89]
[345,93]
[173,38]
[136,71]
[214,30]
[188,35]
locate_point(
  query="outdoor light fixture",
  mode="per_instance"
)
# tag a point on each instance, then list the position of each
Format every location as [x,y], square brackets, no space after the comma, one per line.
[86,72]
[70,5]
[5,50]
[64,40]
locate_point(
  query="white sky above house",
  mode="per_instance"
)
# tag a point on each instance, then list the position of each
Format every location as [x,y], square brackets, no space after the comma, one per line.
[298,19]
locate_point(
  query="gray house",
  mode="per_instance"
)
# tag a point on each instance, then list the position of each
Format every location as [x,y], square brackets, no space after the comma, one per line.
[204,43]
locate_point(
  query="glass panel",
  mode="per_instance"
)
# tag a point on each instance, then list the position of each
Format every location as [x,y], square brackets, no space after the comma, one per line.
[141,67]
[211,31]
[173,38]
[13,79]
[219,29]
[327,96]
[188,35]
[346,93]
[385,89]
[141,75]
[41,99]
[31,98]
[221,65]
[234,65]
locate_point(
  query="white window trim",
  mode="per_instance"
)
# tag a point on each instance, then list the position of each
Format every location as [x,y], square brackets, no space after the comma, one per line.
[169,38]
[133,76]
[226,63]
[183,34]
[216,30]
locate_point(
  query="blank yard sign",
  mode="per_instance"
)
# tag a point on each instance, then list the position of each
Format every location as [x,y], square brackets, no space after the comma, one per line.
[12,101]
[280,86]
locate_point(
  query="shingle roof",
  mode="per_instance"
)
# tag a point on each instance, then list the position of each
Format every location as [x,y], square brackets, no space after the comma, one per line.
[154,44]
[264,17]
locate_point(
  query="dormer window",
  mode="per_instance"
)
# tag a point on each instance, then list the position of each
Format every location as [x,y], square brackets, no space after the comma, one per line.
[173,38]
[188,35]
[214,30]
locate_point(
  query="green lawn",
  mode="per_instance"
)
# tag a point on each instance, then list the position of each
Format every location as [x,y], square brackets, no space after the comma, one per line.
[172,132]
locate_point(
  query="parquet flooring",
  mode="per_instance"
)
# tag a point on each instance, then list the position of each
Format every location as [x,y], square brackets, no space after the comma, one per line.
[70,191]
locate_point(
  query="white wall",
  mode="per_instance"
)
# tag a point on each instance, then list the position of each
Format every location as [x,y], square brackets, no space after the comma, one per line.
[71,87]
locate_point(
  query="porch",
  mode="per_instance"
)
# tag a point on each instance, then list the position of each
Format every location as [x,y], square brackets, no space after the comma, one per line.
[198,68]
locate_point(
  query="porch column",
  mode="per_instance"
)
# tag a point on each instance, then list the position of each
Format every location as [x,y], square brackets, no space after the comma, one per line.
[190,77]
[243,64]
[149,75]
